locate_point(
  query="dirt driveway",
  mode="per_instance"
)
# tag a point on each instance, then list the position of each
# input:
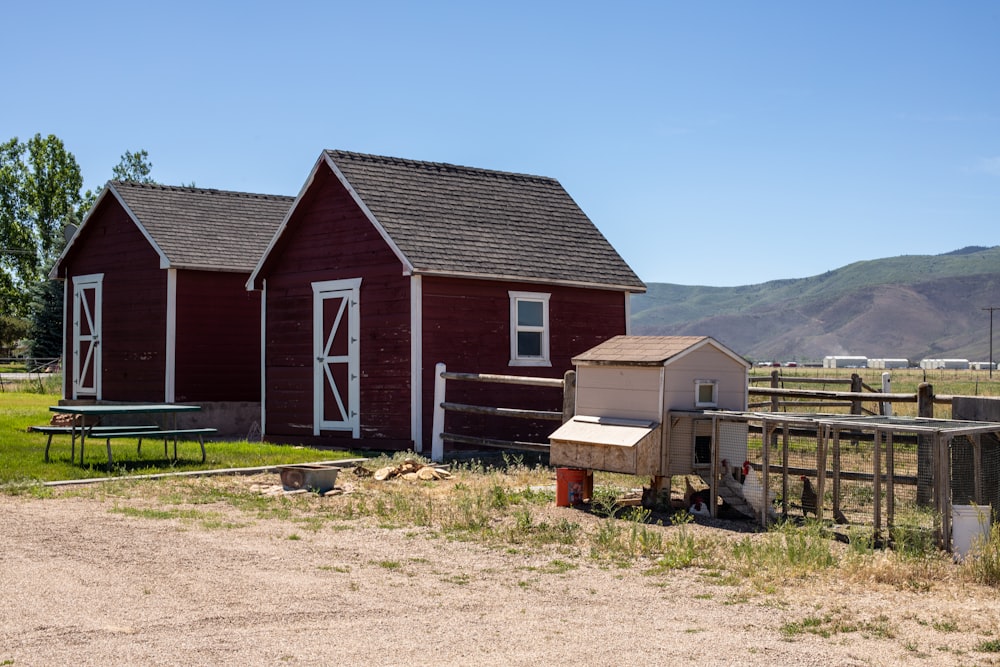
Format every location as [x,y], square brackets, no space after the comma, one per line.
[100,580]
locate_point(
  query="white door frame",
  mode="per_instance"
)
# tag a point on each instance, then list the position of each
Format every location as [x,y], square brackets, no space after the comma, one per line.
[348,291]
[89,336]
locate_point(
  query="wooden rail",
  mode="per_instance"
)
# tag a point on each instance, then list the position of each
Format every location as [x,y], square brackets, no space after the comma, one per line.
[442,406]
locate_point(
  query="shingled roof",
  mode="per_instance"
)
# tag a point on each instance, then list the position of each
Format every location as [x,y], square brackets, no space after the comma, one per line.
[647,350]
[447,219]
[198,228]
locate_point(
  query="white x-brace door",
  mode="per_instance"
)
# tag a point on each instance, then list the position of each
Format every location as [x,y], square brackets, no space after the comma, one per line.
[87,335]
[336,349]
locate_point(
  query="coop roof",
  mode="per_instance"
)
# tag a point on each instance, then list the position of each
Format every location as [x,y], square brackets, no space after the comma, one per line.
[649,350]
[450,220]
[197,228]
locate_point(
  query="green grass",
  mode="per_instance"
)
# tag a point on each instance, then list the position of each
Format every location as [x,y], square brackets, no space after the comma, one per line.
[22,463]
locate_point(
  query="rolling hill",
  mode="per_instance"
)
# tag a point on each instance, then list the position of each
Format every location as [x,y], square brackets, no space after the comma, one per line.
[911,306]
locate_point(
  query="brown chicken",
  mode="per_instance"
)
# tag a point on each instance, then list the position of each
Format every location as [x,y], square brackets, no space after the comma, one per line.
[808,497]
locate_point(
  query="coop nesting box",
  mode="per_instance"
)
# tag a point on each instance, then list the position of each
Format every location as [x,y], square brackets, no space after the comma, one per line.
[643,406]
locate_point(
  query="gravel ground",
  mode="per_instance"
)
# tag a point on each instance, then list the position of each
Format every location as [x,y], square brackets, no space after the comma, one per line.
[85,583]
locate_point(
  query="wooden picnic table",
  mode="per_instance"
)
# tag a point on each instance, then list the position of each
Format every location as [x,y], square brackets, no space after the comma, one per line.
[91,412]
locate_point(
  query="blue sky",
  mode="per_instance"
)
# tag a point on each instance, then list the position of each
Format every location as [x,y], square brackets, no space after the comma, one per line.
[713,143]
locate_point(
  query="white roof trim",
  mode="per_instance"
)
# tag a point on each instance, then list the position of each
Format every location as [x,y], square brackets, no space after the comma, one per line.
[281,228]
[531,280]
[407,265]
[164,260]
[324,158]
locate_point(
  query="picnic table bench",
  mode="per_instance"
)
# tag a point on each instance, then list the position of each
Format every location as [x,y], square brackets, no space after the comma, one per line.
[164,433]
[82,413]
[75,431]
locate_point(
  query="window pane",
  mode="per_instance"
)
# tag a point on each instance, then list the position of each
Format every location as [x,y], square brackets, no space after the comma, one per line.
[529,313]
[706,393]
[529,344]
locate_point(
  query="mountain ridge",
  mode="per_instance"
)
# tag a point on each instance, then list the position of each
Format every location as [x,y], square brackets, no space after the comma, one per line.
[909,306]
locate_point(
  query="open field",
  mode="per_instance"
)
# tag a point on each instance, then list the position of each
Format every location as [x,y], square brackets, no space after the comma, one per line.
[945,382]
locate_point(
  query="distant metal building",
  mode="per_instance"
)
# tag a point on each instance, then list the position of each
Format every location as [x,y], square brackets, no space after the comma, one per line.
[935,364]
[845,362]
[888,363]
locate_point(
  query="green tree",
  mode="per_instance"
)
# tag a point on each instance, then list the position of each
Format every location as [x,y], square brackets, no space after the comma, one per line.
[12,329]
[40,185]
[133,168]
[46,331]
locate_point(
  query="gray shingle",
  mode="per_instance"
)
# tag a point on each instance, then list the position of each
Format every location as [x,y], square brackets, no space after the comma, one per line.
[460,220]
[202,228]
[638,350]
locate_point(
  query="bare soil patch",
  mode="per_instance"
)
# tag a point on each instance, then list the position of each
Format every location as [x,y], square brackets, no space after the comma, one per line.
[90,578]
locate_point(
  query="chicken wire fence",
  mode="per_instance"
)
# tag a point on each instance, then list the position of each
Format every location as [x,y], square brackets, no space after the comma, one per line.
[871,480]
[976,482]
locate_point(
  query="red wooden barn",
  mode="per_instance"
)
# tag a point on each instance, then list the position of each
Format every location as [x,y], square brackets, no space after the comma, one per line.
[156,307]
[384,267]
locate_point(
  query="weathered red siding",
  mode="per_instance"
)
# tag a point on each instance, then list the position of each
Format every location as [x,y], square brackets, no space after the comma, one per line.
[329,238]
[218,338]
[466,325]
[134,305]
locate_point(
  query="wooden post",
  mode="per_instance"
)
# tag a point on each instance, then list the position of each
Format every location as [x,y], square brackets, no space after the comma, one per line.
[569,396]
[836,470]
[942,473]
[821,436]
[437,442]
[765,469]
[977,467]
[925,445]
[775,407]
[775,403]
[856,388]
[877,484]
[713,483]
[890,487]
[784,469]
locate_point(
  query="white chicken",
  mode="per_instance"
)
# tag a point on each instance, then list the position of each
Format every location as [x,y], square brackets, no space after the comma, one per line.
[700,508]
[753,490]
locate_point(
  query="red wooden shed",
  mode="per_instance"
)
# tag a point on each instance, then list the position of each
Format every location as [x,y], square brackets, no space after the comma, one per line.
[156,307]
[384,267]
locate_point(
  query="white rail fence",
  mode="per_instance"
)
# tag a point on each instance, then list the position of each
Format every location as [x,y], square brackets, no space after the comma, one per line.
[441,406]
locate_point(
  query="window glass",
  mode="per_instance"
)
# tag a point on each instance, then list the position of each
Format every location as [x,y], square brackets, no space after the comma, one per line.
[529,313]
[529,329]
[705,394]
[529,344]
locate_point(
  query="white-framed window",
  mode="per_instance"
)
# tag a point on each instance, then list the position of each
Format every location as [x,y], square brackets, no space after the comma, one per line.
[529,329]
[706,394]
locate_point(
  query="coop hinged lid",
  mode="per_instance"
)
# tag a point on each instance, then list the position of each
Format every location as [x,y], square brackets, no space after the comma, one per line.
[604,431]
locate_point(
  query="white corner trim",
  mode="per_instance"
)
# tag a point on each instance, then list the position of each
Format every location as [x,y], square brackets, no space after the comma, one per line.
[628,313]
[416,363]
[263,360]
[170,362]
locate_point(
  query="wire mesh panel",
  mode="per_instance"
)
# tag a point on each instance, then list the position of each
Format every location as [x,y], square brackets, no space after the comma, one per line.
[846,476]
[975,479]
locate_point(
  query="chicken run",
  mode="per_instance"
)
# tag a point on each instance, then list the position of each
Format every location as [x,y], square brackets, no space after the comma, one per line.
[823,468]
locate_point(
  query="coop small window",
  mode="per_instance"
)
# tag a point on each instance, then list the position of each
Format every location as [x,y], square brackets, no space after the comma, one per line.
[706,394]
[529,329]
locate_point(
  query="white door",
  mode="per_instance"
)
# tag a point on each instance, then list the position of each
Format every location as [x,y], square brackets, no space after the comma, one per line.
[87,336]
[336,347]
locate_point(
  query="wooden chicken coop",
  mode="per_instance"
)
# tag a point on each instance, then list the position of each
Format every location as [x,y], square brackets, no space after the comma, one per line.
[648,406]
